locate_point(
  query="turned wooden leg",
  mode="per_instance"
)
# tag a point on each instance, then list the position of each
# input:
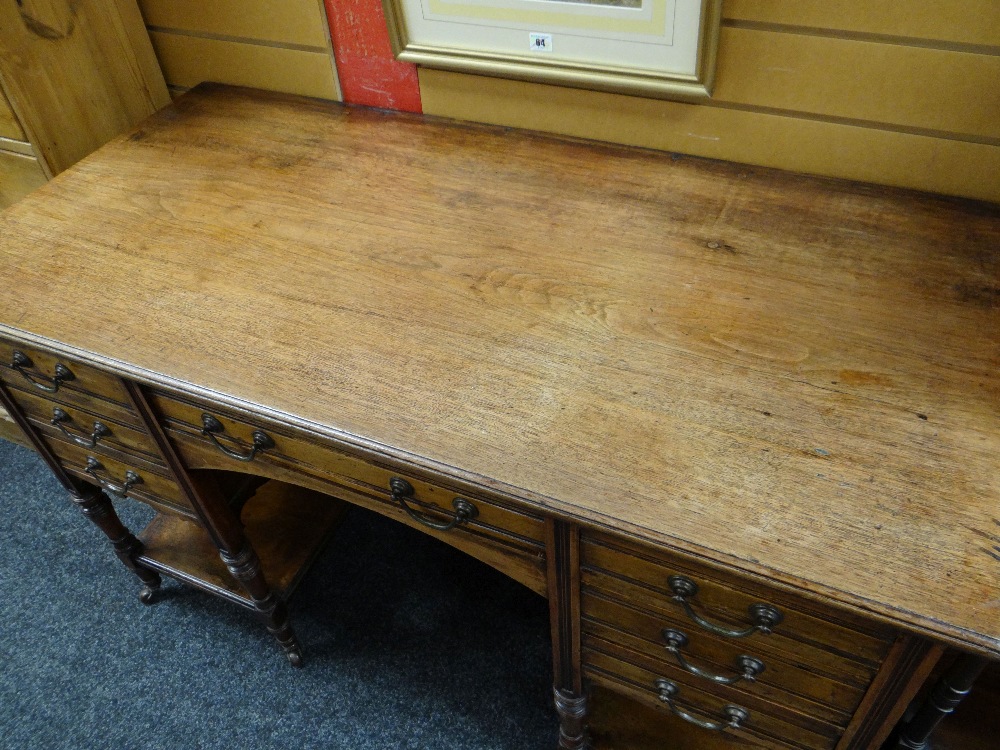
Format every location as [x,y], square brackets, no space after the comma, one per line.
[562,541]
[944,698]
[97,506]
[94,504]
[221,519]
[572,710]
[245,567]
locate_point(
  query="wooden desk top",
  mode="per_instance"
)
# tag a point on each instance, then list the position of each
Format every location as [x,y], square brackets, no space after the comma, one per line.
[793,376]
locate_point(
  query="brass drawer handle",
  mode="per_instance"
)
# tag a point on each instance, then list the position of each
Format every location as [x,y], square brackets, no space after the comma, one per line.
[261,440]
[748,667]
[131,478]
[21,362]
[763,616]
[59,417]
[401,490]
[733,716]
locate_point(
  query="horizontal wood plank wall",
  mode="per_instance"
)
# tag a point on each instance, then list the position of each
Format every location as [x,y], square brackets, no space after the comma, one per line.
[280,45]
[916,88]
[840,89]
[285,22]
[19,175]
[973,22]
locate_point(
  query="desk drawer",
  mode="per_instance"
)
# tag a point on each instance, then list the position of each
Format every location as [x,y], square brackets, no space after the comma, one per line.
[50,375]
[497,532]
[68,397]
[815,657]
[704,658]
[87,426]
[764,726]
[153,486]
[814,635]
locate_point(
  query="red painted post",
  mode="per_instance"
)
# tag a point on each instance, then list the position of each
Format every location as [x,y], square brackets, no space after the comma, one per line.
[368,72]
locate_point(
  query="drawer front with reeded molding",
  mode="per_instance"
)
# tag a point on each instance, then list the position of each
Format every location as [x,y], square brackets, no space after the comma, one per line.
[40,372]
[695,710]
[90,426]
[693,629]
[743,668]
[124,476]
[235,441]
[711,600]
[508,536]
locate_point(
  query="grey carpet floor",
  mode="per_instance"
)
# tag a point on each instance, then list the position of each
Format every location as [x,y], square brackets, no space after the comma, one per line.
[408,644]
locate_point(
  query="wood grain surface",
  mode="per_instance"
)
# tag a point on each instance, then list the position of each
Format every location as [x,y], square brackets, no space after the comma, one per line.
[791,376]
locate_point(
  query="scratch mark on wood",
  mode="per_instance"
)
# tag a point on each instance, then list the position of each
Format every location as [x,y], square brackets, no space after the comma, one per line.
[985,535]
[861,377]
[984,296]
[993,552]
[717,245]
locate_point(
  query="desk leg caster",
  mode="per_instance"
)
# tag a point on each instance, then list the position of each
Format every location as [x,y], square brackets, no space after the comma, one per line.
[572,710]
[245,567]
[276,617]
[97,507]
[148,594]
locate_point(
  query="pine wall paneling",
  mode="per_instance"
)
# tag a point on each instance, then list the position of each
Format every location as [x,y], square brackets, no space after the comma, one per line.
[19,175]
[9,126]
[17,147]
[91,76]
[72,76]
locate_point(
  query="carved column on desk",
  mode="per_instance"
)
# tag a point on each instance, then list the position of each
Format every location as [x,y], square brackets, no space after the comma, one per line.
[222,522]
[944,698]
[563,553]
[903,673]
[93,502]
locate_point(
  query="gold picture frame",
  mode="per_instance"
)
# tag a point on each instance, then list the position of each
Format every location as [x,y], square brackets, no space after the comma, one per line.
[656,48]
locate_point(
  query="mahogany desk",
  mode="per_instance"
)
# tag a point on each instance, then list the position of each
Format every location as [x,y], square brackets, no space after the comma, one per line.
[741,427]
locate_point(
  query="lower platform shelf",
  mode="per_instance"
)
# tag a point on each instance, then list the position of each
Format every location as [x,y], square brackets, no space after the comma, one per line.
[286,525]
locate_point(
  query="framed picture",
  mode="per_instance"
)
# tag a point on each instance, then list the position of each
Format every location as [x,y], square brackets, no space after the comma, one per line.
[658,48]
